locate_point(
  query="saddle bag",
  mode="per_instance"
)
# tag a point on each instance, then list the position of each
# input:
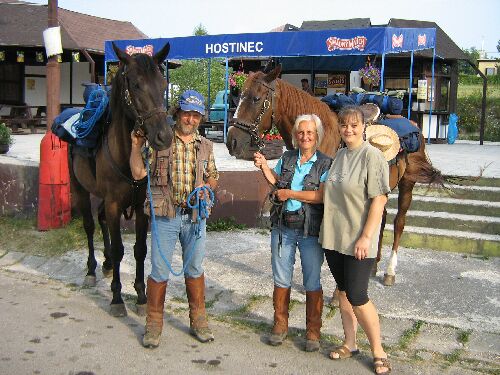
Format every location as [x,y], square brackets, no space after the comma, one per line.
[294,219]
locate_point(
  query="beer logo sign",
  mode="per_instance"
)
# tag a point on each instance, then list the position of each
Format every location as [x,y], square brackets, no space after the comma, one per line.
[422,40]
[333,43]
[397,41]
[147,49]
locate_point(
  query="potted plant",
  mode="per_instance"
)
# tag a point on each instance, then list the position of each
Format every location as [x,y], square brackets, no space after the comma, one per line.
[5,138]
[370,75]
[236,81]
[273,142]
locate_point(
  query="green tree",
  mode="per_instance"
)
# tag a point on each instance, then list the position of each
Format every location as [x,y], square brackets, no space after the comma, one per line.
[498,46]
[464,67]
[193,74]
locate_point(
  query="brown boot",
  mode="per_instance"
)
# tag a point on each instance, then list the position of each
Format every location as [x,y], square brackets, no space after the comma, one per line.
[281,300]
[154,320]
[195,289]
[314,309]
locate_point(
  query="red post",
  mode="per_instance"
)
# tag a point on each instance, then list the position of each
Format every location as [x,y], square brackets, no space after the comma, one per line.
[54,203]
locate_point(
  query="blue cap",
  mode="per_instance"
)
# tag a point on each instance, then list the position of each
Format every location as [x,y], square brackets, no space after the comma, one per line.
[192,100]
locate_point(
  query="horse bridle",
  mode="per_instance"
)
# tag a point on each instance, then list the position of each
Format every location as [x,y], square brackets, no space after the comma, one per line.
[139,119]
[253,128]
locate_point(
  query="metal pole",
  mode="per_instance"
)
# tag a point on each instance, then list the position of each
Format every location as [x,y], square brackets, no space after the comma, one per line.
[208,91]
[225,107]
[411,84]
[382,73]
[53,72]
[432,97]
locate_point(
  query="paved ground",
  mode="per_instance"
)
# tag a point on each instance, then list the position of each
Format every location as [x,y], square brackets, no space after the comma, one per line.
[442,316]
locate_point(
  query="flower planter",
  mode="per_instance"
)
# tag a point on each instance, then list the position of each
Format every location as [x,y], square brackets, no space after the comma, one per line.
[4,148]
[273,148]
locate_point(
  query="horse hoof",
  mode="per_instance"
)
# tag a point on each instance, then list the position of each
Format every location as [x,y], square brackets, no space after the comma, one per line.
[141,309]
[118,310]
[107,273]
[389,280]
[89,281]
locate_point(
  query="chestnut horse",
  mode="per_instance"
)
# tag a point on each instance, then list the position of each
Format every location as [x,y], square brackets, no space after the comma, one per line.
[136,104]
[268,100]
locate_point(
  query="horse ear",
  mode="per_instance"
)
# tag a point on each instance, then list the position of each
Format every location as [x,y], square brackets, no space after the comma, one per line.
[122,56]
[273,74]
[162,54]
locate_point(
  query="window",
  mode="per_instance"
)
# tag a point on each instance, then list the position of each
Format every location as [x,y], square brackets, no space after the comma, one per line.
[490,71]
[11,91]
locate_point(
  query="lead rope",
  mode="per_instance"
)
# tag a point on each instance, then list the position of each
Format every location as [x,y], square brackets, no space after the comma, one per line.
[203,209]
[279,209]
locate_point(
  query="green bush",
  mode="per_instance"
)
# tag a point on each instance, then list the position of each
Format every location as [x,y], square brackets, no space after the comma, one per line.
[469,112]
[5,135]
[465,79]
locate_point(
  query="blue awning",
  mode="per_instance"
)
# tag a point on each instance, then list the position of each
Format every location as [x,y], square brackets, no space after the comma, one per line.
[365,41]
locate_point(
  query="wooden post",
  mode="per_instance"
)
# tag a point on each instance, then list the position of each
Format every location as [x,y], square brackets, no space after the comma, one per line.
[53,72]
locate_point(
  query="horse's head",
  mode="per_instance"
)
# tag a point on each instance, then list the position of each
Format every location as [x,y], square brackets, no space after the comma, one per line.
[253,115]
[141,86]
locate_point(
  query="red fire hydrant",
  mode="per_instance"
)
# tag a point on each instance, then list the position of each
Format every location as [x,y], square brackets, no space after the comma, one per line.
[54,200]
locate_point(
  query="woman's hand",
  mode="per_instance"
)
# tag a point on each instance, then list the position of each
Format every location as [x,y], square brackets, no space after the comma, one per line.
[361,247]
[283,194]
[137,141]
[259,161]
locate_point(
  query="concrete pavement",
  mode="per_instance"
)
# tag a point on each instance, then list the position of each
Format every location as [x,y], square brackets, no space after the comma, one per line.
[442,316]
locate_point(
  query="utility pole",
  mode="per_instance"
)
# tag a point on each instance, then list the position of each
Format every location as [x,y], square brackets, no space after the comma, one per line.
[53,71]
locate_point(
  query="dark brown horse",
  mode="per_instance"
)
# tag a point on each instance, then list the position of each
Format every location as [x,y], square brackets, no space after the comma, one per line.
[136,104]
[268,100]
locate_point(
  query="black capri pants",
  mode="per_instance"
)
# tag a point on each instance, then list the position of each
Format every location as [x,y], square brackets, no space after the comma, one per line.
[351,275]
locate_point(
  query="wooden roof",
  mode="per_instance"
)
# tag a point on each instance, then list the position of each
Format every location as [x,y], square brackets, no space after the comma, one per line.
[22,24]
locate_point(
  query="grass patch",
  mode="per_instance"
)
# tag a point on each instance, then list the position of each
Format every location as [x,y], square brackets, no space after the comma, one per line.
[224,224]
[211,303]
[454,356]
[463,337]
[17,234]
[331,312]
[410,334]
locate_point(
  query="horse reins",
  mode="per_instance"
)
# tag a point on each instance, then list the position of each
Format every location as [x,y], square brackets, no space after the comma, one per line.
[253,128]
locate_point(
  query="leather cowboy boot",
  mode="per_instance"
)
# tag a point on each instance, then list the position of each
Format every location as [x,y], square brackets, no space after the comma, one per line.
[314,309]
[281,300]
[195,289]
[154,320]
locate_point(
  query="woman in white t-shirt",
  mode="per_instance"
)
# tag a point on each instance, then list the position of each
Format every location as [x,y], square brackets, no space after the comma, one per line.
[355,195]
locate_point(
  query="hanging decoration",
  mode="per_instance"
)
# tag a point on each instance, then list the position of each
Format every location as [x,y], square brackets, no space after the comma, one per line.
[75,56]
[20,56]
[59,58]
[39,57]
[2,55]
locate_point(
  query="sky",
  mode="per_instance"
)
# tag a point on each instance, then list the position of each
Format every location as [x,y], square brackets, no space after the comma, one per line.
[468,23]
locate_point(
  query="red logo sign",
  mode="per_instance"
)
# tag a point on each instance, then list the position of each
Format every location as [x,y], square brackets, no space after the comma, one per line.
[147,49]
[397,41]
[422,40]
[333,43]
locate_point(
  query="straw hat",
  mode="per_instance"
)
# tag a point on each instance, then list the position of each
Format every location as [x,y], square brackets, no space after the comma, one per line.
[370,112]
[383,138]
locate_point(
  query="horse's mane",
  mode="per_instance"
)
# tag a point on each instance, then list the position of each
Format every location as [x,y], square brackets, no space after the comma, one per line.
[294,102]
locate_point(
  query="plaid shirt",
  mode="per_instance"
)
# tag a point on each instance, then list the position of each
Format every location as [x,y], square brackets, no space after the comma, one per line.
[184,167]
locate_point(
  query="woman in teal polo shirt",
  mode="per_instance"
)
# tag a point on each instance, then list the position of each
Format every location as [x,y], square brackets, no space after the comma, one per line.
[298,178]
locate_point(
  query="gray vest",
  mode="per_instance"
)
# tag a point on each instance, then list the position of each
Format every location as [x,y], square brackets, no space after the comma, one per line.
[313,212]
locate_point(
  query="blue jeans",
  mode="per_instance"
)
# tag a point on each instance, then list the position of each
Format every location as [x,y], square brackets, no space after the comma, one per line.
[311,258]
[169,231]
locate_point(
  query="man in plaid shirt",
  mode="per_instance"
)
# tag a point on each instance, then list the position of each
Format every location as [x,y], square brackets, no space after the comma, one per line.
[189,163]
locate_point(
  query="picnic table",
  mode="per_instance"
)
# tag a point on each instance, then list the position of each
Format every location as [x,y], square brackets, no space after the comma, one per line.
[21,116]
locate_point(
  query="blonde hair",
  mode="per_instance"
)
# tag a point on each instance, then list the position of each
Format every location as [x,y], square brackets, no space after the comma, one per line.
[312,118]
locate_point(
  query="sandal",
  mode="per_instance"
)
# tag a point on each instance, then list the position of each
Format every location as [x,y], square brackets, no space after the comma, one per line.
[343,352]
[381,362]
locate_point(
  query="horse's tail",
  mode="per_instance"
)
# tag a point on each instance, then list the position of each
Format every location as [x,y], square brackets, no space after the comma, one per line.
[422,171]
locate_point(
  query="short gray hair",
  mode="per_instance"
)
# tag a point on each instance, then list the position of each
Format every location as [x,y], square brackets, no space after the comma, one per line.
[313,118]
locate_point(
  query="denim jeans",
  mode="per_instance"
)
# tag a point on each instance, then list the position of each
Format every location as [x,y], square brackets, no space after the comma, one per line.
[311,258]
[169,231]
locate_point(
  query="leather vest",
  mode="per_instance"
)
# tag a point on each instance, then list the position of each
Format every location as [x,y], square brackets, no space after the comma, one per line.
[313,212]
[161,179]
